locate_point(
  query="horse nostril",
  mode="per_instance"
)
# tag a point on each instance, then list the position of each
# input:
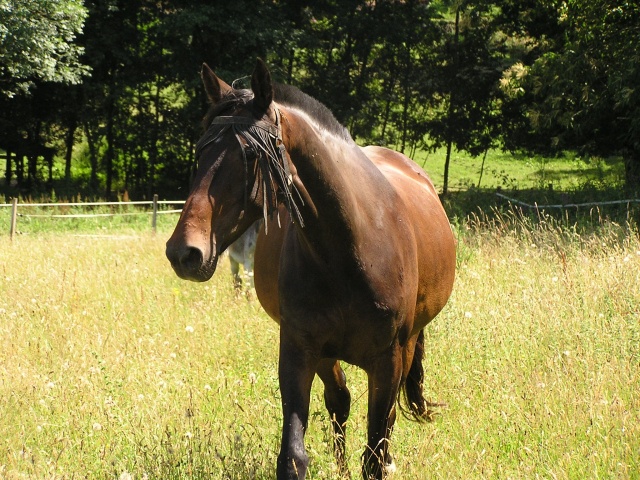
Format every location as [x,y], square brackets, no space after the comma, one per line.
[191,258]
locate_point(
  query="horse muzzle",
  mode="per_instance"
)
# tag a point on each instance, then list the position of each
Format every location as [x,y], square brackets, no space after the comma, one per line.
[191,262]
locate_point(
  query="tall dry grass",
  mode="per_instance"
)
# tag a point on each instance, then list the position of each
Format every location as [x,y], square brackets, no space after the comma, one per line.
[111,367]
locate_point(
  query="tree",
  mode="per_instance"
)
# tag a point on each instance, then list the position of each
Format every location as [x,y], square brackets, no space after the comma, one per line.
[369,62]
[37,42]
[403,71]
[471,59]
[583,94]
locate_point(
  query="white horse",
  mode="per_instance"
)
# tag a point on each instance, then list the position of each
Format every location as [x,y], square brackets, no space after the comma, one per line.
[241,252]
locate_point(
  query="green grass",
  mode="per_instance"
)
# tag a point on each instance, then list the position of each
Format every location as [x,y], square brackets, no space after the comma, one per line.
[116,219]
[110,365]
[508,171]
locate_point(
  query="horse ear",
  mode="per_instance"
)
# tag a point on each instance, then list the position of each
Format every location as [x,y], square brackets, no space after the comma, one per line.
[261,86]
[215,88]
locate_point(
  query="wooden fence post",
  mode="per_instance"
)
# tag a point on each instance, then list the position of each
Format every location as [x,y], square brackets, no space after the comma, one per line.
[14,216]
[154,221]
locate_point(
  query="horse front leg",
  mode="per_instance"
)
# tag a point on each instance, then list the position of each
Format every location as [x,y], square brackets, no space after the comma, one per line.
[384,382]
[337,399]
[296,370]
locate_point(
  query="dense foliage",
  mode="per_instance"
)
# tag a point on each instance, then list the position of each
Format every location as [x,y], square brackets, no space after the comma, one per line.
[37,42]
[111,87]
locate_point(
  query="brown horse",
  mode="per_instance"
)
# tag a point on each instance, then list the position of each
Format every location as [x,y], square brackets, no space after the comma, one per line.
[355,258]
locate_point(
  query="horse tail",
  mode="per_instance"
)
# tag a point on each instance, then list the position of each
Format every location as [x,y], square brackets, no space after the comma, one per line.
[415,407]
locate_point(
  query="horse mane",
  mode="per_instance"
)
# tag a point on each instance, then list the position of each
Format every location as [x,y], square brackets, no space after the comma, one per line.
[286,95]
[296,98]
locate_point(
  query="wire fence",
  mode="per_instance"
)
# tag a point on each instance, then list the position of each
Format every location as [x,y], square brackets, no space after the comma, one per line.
[536,206]
[153,212]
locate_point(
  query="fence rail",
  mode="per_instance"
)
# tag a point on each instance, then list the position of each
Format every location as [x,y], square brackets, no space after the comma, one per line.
[536,206]
[91,215]
[96,204]
[155,212]
[153,203]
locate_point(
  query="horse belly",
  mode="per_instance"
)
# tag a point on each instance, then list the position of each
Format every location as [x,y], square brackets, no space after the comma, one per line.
[435,244]
[435,253]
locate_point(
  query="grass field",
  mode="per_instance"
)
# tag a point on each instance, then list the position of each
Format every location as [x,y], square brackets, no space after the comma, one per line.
[113,368]
[521,172]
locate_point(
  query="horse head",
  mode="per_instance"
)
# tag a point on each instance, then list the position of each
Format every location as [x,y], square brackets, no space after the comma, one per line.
[241,172]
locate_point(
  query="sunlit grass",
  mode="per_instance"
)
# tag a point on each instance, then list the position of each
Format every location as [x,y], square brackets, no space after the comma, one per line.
[111,366]
[115,219]
[519,171]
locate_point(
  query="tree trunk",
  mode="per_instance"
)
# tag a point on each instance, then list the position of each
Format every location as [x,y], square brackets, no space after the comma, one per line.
[451,111]
[32,169]
[153,153]
[93,158]
[482,167]
[20,168]
[69,141]
[49,160]
[110,148]
[8,172]
[632,171]
[445,185]
[292,56]
[389,86]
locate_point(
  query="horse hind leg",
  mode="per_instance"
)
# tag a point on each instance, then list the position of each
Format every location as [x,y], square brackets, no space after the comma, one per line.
[337,399]
[413,383]
[248,269]
[384,384]
[235,271]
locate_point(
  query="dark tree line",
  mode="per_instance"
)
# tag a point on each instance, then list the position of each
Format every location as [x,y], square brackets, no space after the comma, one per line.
[121,106]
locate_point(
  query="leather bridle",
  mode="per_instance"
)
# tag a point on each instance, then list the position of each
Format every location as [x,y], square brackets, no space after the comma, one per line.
[265,139]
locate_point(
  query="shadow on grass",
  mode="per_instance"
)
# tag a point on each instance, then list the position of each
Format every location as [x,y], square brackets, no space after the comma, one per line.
[556,175]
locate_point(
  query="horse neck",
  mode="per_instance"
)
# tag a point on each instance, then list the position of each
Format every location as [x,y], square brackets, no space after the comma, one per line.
[336,179]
